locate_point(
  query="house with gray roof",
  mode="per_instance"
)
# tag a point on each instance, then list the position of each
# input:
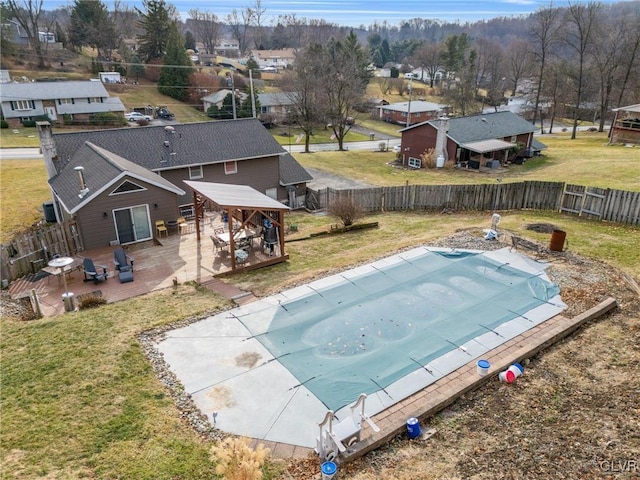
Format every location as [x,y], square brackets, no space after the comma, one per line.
[115,183]
[274,107]
[409,113]
[474,141]
[72,101]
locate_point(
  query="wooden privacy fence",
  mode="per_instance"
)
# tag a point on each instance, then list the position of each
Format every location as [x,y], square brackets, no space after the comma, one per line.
[605,204]
[29,252]
[499,196]
[618,206]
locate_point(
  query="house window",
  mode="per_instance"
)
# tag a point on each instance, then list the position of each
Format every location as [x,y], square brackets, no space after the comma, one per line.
[230,168]
[22,105]
[514,138]
[95,99]
[187,211]
[272,193]
[65,101]
[195,172]
[414,162]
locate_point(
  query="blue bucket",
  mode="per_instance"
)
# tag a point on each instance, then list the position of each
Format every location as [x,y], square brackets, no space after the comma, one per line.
[328,470]
[413,428]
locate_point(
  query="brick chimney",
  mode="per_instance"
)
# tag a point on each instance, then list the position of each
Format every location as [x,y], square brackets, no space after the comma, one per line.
[48,148]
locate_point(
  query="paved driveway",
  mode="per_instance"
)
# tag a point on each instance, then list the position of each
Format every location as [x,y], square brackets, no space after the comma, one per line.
[322,179]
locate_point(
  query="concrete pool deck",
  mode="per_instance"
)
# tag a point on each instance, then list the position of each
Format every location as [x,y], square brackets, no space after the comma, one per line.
[234,378]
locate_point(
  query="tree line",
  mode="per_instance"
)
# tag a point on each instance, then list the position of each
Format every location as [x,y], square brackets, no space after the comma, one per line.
[566,60]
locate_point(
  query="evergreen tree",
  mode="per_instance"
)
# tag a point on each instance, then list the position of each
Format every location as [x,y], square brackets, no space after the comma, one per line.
[174,75]
[91,26]
[189,41]
[155,23]
[254,67]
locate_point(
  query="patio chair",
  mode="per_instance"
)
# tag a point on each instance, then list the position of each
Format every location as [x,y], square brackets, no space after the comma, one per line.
[218,244]
[91,272]
[183,226]
[161,228]
[124,265]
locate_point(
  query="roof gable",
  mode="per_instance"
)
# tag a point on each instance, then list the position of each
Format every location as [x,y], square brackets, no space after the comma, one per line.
[101,170]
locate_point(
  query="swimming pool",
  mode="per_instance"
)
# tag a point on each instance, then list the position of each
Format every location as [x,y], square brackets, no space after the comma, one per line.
[387,329]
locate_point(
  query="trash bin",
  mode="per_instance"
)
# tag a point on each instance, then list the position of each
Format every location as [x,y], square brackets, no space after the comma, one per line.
[372,136]
[69,302]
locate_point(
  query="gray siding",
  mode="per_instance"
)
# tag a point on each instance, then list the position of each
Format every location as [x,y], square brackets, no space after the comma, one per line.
[261,174]
[98,230]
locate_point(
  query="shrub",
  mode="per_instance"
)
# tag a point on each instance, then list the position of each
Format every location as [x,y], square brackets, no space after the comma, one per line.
[91,300]
[237,460]
[346,209]
[4,124]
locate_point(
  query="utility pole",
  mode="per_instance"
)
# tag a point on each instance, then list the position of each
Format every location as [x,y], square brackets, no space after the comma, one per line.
[409,104]
[253,99]
[233,93]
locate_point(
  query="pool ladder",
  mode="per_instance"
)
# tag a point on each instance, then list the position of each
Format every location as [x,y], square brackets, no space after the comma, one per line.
[334,439]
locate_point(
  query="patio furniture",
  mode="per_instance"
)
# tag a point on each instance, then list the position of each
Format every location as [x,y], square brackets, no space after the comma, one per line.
[91,272]
[183,226]
[218,244]
[241,256]
[161,228]
[124,265]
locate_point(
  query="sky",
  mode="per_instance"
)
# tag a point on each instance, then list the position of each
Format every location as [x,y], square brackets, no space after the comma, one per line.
[355,13]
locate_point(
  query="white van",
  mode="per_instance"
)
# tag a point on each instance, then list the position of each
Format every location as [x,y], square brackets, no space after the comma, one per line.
[410,75]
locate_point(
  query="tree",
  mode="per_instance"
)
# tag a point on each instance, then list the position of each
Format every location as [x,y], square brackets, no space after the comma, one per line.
[174,75]
[459,61]
[580,20]
[155,22]
[253,66]
[28,14]
[346,209]
[518,62]
[91,26]
[239,25]
[427,57]
[345,78]
[206,28]
[189,41]
[544,30]
[304,87]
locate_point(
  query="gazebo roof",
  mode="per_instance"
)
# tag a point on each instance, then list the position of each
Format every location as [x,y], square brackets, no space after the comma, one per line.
[236,196]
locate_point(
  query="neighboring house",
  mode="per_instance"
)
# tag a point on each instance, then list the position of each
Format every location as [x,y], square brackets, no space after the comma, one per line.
[279,59]
[416,111]
[75,100]
[110,77]
[215,99]
[274,107]
[116,183]
[228,47]
[474,141]
[18,35]
[626,125]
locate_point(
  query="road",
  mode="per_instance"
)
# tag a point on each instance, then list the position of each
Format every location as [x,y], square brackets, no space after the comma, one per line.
[19,153]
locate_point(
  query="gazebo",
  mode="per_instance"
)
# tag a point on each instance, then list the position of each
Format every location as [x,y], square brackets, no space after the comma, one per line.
[244,207]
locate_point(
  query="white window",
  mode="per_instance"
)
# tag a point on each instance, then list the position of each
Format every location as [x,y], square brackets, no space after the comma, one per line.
[95,100]
[414,162]
[514,138]
[22,105]
[272,193]
[230,168]
[65,101]
[195,172]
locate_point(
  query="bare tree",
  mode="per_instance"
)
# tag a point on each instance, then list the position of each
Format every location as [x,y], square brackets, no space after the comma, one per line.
[518,62]
[257,14]
[206,27]
[581,20]
[545,27]
[305,90]
[427,57]
[27,14]
[632,51]
[239,23]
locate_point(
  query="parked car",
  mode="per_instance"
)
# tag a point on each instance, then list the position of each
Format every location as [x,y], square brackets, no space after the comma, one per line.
[135,116]
[396,148]
[164,113]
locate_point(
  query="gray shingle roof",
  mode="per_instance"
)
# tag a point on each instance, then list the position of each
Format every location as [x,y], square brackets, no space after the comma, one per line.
[291,172]
[52,90]
[192,144]
[487,126]
[102,171]
[274,99]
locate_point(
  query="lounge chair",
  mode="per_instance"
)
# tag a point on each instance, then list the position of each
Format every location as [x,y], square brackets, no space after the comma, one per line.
[91,272]
[124,265]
